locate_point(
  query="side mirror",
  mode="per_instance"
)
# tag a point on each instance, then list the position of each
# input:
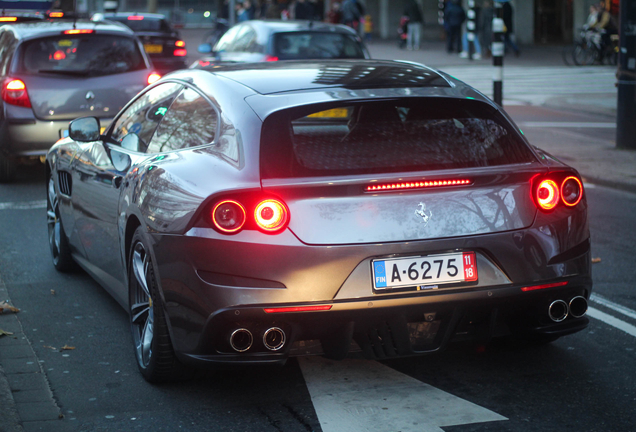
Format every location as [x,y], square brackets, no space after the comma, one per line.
[131,142]
[205,48]
[85,129]
[121,161]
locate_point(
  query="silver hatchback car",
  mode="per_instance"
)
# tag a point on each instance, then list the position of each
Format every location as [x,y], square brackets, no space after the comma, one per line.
[53,72]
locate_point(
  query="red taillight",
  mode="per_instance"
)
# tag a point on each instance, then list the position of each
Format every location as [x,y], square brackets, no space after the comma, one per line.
[77,31]
[547,194]
[135,18]
[56,15]
[270,58]
[228,216]
[298,309]
[59,55]
[179,43]
[204,63]
[571,191]
[14,92]
[153,77]
[181,52]
[538,287]
[416,185]
[8,19]
[271,215]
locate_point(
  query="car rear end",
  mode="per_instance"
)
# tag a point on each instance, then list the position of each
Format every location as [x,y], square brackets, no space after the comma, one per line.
[162,44]
[393,226]
[57,76]
[317,44]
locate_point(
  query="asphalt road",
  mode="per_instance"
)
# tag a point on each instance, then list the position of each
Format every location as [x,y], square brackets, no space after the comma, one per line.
[583,382]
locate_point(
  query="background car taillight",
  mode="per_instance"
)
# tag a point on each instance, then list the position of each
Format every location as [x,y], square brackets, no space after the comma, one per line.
[557,188]
[271,215]
[181,52]
[153,77]
[14,92]
[228,216]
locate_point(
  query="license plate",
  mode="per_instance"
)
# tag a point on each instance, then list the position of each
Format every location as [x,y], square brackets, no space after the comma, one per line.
[153,48]
[424,272]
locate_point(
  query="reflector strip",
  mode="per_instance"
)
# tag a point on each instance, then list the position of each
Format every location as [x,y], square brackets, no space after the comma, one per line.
[77,31]
[416,185]
[538,287]
[298,309]
[8,19]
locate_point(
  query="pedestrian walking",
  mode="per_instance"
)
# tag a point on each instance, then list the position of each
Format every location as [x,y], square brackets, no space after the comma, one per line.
[454,17]
[414,26]
[508,27]
[476,32]
[487,14]
[352,11]
[303,10]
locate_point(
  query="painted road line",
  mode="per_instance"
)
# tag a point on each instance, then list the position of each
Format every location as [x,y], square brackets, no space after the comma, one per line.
[594,125]
[614,322]
[364,395]
[614,306]
[23,205]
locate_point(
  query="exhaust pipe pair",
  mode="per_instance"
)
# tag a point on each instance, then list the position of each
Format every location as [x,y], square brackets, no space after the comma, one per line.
[559,309]
[241,339]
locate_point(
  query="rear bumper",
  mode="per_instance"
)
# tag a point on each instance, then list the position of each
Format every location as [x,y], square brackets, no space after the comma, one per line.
[168,64]
[215,284]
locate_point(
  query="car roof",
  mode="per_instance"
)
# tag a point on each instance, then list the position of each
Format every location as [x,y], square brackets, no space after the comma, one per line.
[294,75]
[127,14]
[51,28]
[277,26]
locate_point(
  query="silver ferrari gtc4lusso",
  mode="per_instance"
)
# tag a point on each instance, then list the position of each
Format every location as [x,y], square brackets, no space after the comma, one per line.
[256,212]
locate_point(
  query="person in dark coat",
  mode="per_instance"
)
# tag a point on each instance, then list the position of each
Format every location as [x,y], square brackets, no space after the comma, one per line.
[352,11]
[414,32]
[454,16]
[509,30]
[304,10]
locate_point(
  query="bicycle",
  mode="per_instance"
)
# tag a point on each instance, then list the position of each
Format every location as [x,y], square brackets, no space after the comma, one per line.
[588,49]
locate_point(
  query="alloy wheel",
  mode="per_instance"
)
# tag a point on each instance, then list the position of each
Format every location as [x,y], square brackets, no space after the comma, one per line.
[141,308]
[53,220]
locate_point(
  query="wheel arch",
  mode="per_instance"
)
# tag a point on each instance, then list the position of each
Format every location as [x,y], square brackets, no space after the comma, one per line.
[131,226]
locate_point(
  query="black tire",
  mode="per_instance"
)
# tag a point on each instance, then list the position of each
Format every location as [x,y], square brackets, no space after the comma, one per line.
[60,248]
[7,169]
[582,55]
[155,356]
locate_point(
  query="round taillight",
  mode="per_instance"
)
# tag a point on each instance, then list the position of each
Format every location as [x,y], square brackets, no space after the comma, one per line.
[228,216]
[271,215]
[153,77]
[571,191]
[548,194]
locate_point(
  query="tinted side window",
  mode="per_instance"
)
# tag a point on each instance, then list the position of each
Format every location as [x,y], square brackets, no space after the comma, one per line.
[227,40]
[144,115]
[244,39]
[190,122]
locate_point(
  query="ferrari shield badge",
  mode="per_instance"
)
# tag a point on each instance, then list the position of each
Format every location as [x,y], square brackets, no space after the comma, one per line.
[422,214]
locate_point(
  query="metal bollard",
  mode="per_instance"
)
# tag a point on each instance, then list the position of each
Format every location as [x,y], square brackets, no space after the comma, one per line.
[470,27]
[440,12]
[497,54]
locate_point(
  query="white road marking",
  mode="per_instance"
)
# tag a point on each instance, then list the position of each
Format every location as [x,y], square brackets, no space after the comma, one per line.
[614,322]
[363,395]
[614,306]
[595,125]
[23,205]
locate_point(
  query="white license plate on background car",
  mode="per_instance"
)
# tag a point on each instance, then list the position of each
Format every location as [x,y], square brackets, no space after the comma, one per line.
[424,272]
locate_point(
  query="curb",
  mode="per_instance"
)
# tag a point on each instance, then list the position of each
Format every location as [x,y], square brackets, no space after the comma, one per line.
[9,420]
[626,187]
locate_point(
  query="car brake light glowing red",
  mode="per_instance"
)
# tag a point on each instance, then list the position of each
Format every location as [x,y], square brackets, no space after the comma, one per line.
[298,309]
[8,19]
[547,194]
[135,18]
[416,185]
[271,215]
[181,52]
[77,31]
[571,191]
[538,287]
[270,58]
[59,55]
[14,92]
[228,216]
[179,43]
[153,77]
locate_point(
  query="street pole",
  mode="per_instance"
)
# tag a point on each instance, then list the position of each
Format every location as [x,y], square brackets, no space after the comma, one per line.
[498,53]
[440,12]
[470,27]
[626,105]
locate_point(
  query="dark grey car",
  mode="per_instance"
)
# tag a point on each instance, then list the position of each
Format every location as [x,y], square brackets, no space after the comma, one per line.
[254,213]
[53,72]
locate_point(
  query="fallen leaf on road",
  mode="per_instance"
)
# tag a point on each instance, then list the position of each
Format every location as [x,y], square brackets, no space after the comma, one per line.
[4,332]
[52,292]
[596,260]
[66,347]
[6,307]
[49,346]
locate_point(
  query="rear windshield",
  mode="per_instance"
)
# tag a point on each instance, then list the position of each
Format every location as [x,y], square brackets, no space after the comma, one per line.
[385,137]
[143,25]
[315,45]
[84,55]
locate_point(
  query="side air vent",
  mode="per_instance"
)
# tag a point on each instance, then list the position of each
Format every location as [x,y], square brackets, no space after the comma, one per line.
[66,183]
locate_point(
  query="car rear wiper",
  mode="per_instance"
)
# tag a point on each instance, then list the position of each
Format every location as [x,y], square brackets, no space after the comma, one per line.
[64,72]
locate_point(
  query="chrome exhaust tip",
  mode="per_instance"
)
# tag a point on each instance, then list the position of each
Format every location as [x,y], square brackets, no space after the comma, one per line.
[274,339]
[241,340]
[578,306]
[558,310]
